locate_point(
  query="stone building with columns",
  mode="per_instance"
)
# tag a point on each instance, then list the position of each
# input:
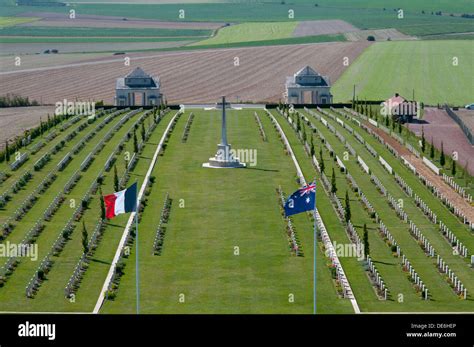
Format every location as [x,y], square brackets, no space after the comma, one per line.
[138,83]
[308,87]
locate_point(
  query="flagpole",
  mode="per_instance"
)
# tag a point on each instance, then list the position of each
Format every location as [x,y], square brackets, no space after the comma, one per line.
[314,258]
[314,253]
[137,278]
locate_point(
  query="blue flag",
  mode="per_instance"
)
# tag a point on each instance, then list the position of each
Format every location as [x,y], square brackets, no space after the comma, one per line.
[304,199]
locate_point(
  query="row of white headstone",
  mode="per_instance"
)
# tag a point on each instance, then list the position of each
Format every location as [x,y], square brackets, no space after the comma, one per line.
[446,201]
[401,182]
[71,183]
[19,161]
[412,149]
[189,122]
[41,162]
[378,184]
[377,279]
[415,277]
[81,266]
[425,209]
[398,209]
[70,122]
[384,230]
[359,137]
[159,237]
[371,150]
[449,235]
[425,244]
[449,180]
[53,206]
[458,286]
[34,283]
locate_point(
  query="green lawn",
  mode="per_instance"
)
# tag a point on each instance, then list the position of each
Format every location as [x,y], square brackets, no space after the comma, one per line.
[251,32]
[425,67]
[223,209]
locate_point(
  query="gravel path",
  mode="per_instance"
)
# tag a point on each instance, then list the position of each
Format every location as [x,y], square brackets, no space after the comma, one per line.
[420,167]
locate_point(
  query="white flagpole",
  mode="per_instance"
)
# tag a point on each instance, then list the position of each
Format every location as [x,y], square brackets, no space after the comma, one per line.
[314,252]
[136,259]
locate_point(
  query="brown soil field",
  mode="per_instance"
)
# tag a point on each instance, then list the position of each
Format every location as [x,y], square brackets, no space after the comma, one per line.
[7,63]
[61,19]
[187,76]
[420,167]
[440,127]
[467,117]
[15,120]
[322,27]
[379,34]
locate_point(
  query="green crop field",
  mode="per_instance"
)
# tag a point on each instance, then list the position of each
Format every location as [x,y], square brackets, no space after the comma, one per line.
[101,32]
[252,32]
[427,68]
[371,15]
[11,21]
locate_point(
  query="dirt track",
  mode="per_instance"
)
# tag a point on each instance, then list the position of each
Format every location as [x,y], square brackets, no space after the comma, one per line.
[187,77]
[420,167]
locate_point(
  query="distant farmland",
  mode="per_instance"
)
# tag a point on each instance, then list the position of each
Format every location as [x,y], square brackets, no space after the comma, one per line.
[260,75]
[423,66]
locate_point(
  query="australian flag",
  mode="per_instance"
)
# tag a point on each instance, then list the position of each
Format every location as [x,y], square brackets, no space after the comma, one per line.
[304,199]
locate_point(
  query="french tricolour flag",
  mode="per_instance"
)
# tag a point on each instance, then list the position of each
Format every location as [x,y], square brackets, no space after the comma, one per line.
[121,202]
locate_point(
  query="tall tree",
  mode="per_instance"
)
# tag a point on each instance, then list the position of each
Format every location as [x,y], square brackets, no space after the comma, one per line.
[321,160]
[143,131]
[135,142]
[116,179]
[312,146]
[347,208]
[102,204]
[366,242]
[7,152]
[453,167]
[432,149]
[85,238]
[423,140]
[333,182]
[442,158]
